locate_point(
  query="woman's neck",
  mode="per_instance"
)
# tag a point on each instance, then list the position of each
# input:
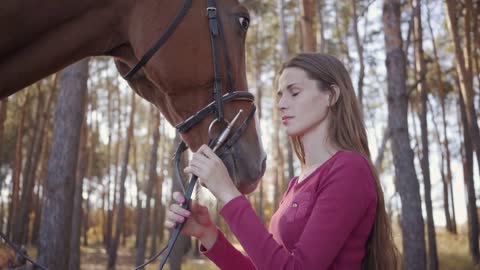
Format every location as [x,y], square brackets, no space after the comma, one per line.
[317,146]
[318,149]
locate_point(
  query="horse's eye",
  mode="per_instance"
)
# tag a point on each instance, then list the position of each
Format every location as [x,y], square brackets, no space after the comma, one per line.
[244,23]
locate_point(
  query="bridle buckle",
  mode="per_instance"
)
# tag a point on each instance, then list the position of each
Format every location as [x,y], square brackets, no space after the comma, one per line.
[211,12]
[213,9]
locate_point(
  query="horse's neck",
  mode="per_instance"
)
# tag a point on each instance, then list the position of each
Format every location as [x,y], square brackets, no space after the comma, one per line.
[39,38]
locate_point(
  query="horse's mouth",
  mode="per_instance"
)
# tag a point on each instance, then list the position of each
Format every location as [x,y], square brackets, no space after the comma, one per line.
[245,181]
[231,166]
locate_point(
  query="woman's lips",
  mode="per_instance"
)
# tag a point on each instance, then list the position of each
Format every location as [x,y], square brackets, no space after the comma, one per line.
[285,119]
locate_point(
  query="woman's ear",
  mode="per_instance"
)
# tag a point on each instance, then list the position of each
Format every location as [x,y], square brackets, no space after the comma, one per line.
[334,94]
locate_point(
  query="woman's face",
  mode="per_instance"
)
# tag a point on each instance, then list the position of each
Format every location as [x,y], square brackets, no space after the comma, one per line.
[303,106]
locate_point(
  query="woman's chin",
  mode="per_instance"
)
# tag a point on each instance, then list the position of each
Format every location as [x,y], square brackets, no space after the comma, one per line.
[293,133]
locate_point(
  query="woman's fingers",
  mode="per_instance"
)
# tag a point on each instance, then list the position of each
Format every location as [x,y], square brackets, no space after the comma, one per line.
[169,224]
[178,210]
[178,197]
[208,152]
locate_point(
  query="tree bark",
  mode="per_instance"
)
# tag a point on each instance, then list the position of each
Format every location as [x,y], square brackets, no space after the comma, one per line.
[359,46]
[445,152]
[467,162]
[3,117]
[321,26]
[422,87]
[20,232]
[56,223]
[112,253]
[157,223]
[407,183]
[152,178]
[86,218]
[464,67]
[446,201]
[107,236]
[17,168]
[309,40]
[42,175]
[74,258]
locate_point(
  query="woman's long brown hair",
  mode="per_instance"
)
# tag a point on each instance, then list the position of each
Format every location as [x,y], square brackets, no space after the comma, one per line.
[347,131]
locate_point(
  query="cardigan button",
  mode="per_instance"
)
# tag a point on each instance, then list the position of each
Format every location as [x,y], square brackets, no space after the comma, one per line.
[295,205]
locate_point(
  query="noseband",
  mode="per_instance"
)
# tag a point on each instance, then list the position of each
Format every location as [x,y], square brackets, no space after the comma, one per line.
[216,107]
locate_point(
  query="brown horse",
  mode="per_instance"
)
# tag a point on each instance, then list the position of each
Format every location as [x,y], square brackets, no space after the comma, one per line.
[38,39]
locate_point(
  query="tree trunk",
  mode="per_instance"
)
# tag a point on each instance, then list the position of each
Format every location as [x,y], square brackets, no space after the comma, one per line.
[359,46]
[3,116]
[30,170]
[17,168]
[446,201]
[86,218]
[381,150]
[407,183]
[108,220]
[112,252]
[152,178]
[445,153]
[464,68]
[138,187]
[74,259]
[321,26]
[20,232]
[467,161]
[157,223]
[116,157]
[40,189]
[56,223]
[309,40]
[422,87]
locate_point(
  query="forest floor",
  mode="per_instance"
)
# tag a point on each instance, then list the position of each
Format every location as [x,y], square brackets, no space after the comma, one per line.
[96,259]
[452,253]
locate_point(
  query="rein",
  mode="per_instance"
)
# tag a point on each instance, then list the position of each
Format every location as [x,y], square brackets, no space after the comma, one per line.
[224,140]
[220,143]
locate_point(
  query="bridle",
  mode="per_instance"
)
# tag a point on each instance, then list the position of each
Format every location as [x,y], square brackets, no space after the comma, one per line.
[216,107]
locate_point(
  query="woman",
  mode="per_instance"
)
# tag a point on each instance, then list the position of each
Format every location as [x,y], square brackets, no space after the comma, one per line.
[332,215]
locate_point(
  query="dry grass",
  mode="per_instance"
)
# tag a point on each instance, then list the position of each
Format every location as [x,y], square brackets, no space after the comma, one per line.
[452,249]
[452,252]
[96,258]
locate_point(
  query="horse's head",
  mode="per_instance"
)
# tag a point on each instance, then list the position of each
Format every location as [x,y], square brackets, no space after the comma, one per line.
[179,78]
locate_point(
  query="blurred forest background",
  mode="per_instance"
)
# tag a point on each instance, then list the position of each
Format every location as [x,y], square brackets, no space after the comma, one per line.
[415,65]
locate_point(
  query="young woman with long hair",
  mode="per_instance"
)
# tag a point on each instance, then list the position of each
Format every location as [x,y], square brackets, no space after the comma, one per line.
[332,215]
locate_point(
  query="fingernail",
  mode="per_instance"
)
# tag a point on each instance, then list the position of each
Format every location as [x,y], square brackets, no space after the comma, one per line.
[187,213]
[180,219]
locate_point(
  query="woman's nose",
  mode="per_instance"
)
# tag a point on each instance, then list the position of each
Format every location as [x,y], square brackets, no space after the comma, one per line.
[281,105]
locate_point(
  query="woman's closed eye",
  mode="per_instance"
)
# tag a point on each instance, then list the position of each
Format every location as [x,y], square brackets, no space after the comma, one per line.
[294,94]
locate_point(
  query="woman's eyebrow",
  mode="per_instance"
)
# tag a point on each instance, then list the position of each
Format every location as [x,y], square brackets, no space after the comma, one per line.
[289,88]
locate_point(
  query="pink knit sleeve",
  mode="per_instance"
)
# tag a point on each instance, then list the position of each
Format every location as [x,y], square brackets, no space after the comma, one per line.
[339,206]
[226,256]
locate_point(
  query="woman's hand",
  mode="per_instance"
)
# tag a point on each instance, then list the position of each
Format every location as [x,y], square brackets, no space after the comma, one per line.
[199,223]
[213,174]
